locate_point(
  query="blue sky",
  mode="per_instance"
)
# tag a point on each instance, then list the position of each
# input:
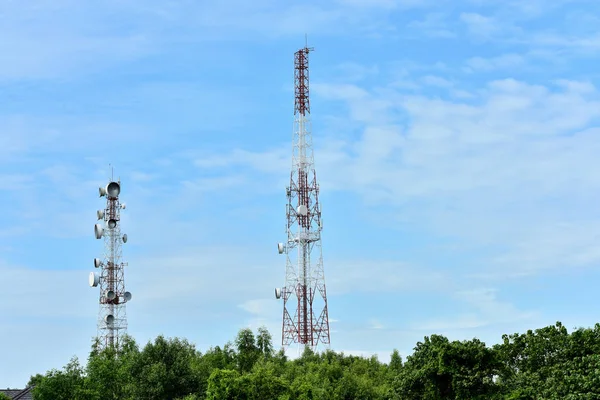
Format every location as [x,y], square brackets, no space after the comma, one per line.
[455,144]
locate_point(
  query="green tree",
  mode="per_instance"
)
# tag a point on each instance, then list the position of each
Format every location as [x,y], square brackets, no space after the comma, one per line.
[220,358]
[223,385]
[528,359]
[396,362]
[34,380]
[247,351]
[548,363]
[264,382]
[164,370]
[440,369]
[264,342]
[63,384]
[109,370]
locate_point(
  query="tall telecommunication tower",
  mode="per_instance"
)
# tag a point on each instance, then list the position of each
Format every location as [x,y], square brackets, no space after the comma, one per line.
[112,318]
[304,276]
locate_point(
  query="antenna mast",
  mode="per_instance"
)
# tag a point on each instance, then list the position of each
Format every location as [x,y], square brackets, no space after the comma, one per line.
[112,318]
[304,277]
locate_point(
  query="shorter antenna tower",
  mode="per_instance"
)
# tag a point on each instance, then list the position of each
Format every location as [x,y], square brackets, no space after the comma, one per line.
[112,318]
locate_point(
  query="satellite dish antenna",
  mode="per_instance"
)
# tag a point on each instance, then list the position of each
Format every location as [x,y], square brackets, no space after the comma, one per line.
[102,191]
[100,214]
[109,319]
[302,210]
[112,223]
[98,231]
[93,279]
[113,189]
[97,262]
[277,293]
[123,206]
[125,238]
[127,296]
[110,294]
[280,248]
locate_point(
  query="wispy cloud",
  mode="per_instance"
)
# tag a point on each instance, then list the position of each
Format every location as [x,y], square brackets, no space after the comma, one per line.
[438,81]
[435,25]
[31,285]
[374,276]
[352,72]
[483,309]
[43,49]
[494,63]
[375,324]
[70,40]
[458,166]
[479,25]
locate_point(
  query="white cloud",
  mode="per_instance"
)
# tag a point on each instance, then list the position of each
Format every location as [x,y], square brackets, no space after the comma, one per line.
[484,310]
[479,25]
[564,246]
[377,3]
[500,168]
[273,19]
[31,135]
[61,39]
[29,286]
[208,185]
[139,176]
[261,306]
[192,273]
[376,324]
[587,44]
[42,345]
[271,161]
[455,323]
[15,182]
[367,109]
[577,87]
[68,39]
[438,81]
[525,24]
[504,61]
[352,72]
[391,4]
[376,276]
[434,25]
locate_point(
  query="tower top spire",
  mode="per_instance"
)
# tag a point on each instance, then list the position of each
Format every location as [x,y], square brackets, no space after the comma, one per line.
[301,81]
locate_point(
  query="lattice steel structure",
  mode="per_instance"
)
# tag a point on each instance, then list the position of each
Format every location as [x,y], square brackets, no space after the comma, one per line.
[304,288]
[112,316]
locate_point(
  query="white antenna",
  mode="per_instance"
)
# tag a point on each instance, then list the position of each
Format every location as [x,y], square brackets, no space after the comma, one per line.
[112,318]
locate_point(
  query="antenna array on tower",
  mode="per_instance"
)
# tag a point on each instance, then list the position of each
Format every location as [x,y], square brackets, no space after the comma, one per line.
[304,287]
[112,318]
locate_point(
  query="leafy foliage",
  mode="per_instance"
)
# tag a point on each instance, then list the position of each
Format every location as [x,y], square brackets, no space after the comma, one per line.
[548,363]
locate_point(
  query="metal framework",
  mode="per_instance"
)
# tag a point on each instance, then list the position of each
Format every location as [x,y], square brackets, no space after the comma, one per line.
[304,287]
[112,316]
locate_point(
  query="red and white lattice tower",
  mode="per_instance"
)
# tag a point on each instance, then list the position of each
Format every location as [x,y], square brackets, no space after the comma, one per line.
[304,287]
[112,318]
